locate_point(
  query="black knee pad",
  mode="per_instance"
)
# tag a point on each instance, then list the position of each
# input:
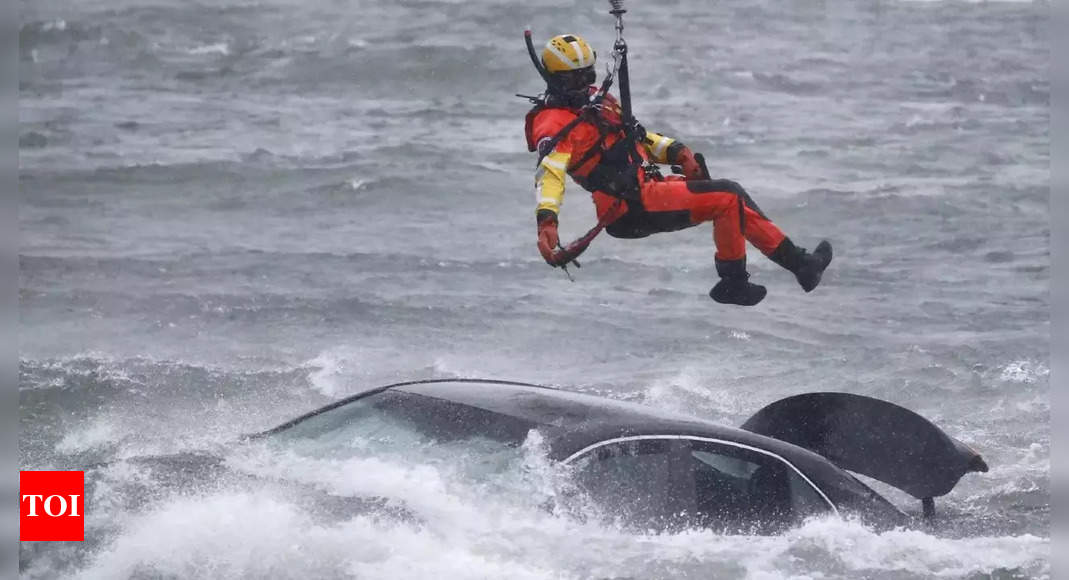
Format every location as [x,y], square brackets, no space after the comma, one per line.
[625,231]
[639,224]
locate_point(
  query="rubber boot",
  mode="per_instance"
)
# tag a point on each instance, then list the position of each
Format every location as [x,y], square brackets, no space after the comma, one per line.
[734,286]
[806,267]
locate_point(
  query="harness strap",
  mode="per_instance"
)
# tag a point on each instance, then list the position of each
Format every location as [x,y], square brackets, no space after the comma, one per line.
[554,140]
[598,97]
[593,150]
[628,141]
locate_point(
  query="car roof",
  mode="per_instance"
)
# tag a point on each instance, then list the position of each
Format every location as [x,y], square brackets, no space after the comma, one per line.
[571,421]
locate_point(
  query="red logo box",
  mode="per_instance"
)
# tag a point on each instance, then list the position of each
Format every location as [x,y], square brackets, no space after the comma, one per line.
[51,506]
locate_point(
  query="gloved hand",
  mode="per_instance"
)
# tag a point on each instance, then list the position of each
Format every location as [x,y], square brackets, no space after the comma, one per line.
[691,168]
[548,240]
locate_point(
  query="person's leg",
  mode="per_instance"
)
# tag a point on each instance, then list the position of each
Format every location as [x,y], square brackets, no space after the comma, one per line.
[709,201]
[630,220]
[806,267]
[736,218]
[697,204]
[752,224]
[762,233]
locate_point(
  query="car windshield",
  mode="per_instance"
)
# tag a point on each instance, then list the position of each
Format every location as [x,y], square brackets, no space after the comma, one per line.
[402,424]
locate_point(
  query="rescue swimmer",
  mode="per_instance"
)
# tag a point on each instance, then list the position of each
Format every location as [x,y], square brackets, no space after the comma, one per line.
[617,164]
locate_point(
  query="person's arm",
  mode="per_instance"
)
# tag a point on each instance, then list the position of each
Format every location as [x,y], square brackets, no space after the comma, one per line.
[549,182]
[550,178]
[670,151]
[549,190]
[657,146]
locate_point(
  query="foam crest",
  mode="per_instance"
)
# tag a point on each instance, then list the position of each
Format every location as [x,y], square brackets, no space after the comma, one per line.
[497,522]
[693,391]
[1024,372]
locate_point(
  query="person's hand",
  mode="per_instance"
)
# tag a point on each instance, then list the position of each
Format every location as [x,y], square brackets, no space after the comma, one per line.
[691,168]
[548,240]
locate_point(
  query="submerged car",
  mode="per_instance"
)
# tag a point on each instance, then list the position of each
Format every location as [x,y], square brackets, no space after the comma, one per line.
[655,470]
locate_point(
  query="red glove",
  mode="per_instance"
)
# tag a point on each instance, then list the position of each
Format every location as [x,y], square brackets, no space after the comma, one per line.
[691,168]
[548,239]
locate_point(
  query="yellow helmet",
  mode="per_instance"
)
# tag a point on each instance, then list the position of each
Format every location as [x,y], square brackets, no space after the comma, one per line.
[567,52]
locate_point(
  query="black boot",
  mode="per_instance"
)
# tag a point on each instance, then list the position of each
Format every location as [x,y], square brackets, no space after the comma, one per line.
[806,267]
[734,286]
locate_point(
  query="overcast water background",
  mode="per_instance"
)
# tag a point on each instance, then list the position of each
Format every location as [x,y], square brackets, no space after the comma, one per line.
[235,212]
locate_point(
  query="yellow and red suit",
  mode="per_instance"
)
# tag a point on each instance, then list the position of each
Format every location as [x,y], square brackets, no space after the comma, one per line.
[651,204]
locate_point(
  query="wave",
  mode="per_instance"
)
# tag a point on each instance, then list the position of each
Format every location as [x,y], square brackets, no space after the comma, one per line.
[465,527]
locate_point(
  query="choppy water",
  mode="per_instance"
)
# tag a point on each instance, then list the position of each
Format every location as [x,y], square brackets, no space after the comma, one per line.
[234,212]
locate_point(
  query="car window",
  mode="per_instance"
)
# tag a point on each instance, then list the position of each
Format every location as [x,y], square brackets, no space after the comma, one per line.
[805,501]
[629,483]
[671,483]
[739,489]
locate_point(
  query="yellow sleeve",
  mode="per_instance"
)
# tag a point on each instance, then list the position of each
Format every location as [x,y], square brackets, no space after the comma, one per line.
[549,181]
[657,146]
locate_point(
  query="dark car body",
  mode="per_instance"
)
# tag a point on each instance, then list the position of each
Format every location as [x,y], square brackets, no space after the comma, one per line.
[649,468]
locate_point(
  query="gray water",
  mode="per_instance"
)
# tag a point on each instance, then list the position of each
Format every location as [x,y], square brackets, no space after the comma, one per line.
[234,212]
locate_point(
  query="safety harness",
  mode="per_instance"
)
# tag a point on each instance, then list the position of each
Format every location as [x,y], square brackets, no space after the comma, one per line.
[617,171]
